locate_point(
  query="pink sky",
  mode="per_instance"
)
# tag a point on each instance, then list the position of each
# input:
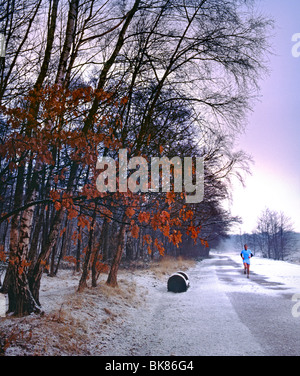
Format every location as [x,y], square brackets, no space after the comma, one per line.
[273,133]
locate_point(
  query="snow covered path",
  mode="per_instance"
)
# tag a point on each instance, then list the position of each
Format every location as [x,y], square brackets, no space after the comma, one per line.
[222,313]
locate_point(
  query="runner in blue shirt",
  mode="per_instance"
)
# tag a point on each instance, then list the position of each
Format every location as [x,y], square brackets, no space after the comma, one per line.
[246,255]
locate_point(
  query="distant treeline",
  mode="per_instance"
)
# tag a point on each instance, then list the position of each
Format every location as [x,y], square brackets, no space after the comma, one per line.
[277,246]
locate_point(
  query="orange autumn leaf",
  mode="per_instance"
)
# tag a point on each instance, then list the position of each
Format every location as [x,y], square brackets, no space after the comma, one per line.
[185,215]
[101,267]
[170,197]
[57,205]
[166,230]
[83,222]
[135,231]
[147,238]
[165,216]
[72,213]
[70,259]
[144,217]
[2,256]
[24,264]
[130,212]
[176,237]
[206,244]
[43,262]
[159,246]
[54,195]
[124,100]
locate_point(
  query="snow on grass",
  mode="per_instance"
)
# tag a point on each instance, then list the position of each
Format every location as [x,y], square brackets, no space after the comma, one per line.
[279,272]
[137,317]
[82,323]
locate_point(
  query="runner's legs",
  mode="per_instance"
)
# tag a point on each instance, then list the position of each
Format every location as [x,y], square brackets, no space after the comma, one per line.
[246,269]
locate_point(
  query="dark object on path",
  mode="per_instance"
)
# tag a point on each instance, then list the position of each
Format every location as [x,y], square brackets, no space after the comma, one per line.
[178,282]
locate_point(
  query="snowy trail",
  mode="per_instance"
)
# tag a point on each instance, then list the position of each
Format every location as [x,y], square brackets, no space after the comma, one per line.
[222,313]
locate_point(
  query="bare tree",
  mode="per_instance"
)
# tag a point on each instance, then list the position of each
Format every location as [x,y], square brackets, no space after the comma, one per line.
[149,75]
[274,234]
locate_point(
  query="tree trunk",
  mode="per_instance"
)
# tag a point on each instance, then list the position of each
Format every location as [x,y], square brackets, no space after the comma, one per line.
[35,273]
[20,299]
[95,257]
[52,262]
[78,249]
[105,236]
[102,246]
[34,244]
[50,39]
[112,277]
[70,35]
[85,269]
[55,249]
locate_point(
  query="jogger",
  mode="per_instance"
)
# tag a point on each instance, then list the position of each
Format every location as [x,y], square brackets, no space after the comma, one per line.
[246,255]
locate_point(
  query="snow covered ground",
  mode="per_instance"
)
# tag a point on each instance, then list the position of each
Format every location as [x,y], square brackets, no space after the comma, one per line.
[222,313]
[280,272]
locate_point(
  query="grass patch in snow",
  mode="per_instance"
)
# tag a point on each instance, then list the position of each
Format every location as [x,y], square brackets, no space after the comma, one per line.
[169,265]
